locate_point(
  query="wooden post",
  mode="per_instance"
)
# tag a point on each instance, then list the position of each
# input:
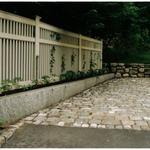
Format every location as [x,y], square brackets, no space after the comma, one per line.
[0,54]
[101,51]
[37,36]
[80,44]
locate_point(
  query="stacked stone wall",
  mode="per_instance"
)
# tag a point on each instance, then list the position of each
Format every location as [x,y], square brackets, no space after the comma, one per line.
[128,70]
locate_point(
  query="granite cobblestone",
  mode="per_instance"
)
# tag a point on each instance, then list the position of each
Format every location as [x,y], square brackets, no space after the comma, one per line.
[115,104]
[118,103]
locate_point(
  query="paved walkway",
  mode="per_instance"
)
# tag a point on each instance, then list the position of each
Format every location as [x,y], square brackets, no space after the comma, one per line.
[33,136]
[115,104]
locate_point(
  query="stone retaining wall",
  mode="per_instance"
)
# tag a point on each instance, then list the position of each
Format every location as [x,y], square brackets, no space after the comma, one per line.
[16,106]
[129,70]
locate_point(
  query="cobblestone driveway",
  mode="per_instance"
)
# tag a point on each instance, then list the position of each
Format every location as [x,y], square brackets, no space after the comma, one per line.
[118,103]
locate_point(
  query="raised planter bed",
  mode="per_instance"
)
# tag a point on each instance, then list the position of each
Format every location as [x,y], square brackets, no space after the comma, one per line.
[16,106]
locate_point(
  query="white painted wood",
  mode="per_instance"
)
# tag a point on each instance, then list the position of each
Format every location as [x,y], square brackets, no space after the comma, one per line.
[16,37]
[0,53]
[10,16]
[25,48]
[80,52]
[58,43]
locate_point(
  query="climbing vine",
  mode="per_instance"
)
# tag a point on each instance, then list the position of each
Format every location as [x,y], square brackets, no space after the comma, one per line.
[73,58]
[63,65]
[52,59]
[84,62]
[55,36]
[92,63]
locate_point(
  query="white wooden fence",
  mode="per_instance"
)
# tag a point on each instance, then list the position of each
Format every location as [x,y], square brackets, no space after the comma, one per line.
[30,49]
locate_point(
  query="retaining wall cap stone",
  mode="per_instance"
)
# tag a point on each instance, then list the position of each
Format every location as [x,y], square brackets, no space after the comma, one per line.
[121,64]
[114,64]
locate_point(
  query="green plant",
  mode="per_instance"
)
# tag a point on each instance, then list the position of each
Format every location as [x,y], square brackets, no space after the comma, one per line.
[92,63]
[58,36]
[84,62]
[68,76]
[71,75]
[6,85]
[15,83]
[73,58]
[52,59]
[17,79]
[35,82]
[27,87]
[63,63]
[46,79]
[55,36]
[81,74]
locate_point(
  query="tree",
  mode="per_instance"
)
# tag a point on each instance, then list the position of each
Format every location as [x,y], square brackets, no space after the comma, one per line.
[123,26]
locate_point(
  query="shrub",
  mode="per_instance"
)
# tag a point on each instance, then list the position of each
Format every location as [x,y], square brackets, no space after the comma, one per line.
[6,85]
[46,79]
[71,75]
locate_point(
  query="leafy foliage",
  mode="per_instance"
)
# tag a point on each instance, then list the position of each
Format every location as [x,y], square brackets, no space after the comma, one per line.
[123,26]
[52,59]
[71,75]
[63,65]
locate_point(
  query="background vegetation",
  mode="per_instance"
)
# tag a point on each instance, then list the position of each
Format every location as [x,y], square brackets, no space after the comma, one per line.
[123,26]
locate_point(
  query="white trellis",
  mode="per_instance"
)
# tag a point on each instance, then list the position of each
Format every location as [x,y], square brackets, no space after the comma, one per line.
[26,48]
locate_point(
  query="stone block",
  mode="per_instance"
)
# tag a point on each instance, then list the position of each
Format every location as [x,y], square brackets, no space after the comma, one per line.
[134,64]
[114,64]
[118,75]
[135,118]
[120,71]
[136,127]
[110,126]
[93,125]
[133,72]
[119,67]
[127,70]
[135,69]
[113,69]
[127,122]
[141,123]
[85,125]
[146,118]
[125,75]
[141,65]
[140,75]
[119,127]
[61,123]
[101,126]
[127,126]
[145,127]
[133,76]
[120,64]
[141,70]
[111,122]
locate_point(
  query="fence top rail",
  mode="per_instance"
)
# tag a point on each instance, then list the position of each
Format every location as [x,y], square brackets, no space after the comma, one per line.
[90,39]
[72,34]
[21,19]
[17,18]
[59,30]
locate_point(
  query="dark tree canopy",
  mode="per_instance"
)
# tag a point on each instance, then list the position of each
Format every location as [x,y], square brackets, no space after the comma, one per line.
[123,26]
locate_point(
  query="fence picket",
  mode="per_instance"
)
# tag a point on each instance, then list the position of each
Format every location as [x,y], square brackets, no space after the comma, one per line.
[26,48]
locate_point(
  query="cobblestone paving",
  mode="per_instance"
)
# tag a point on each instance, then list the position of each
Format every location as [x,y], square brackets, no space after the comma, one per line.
[118,103]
